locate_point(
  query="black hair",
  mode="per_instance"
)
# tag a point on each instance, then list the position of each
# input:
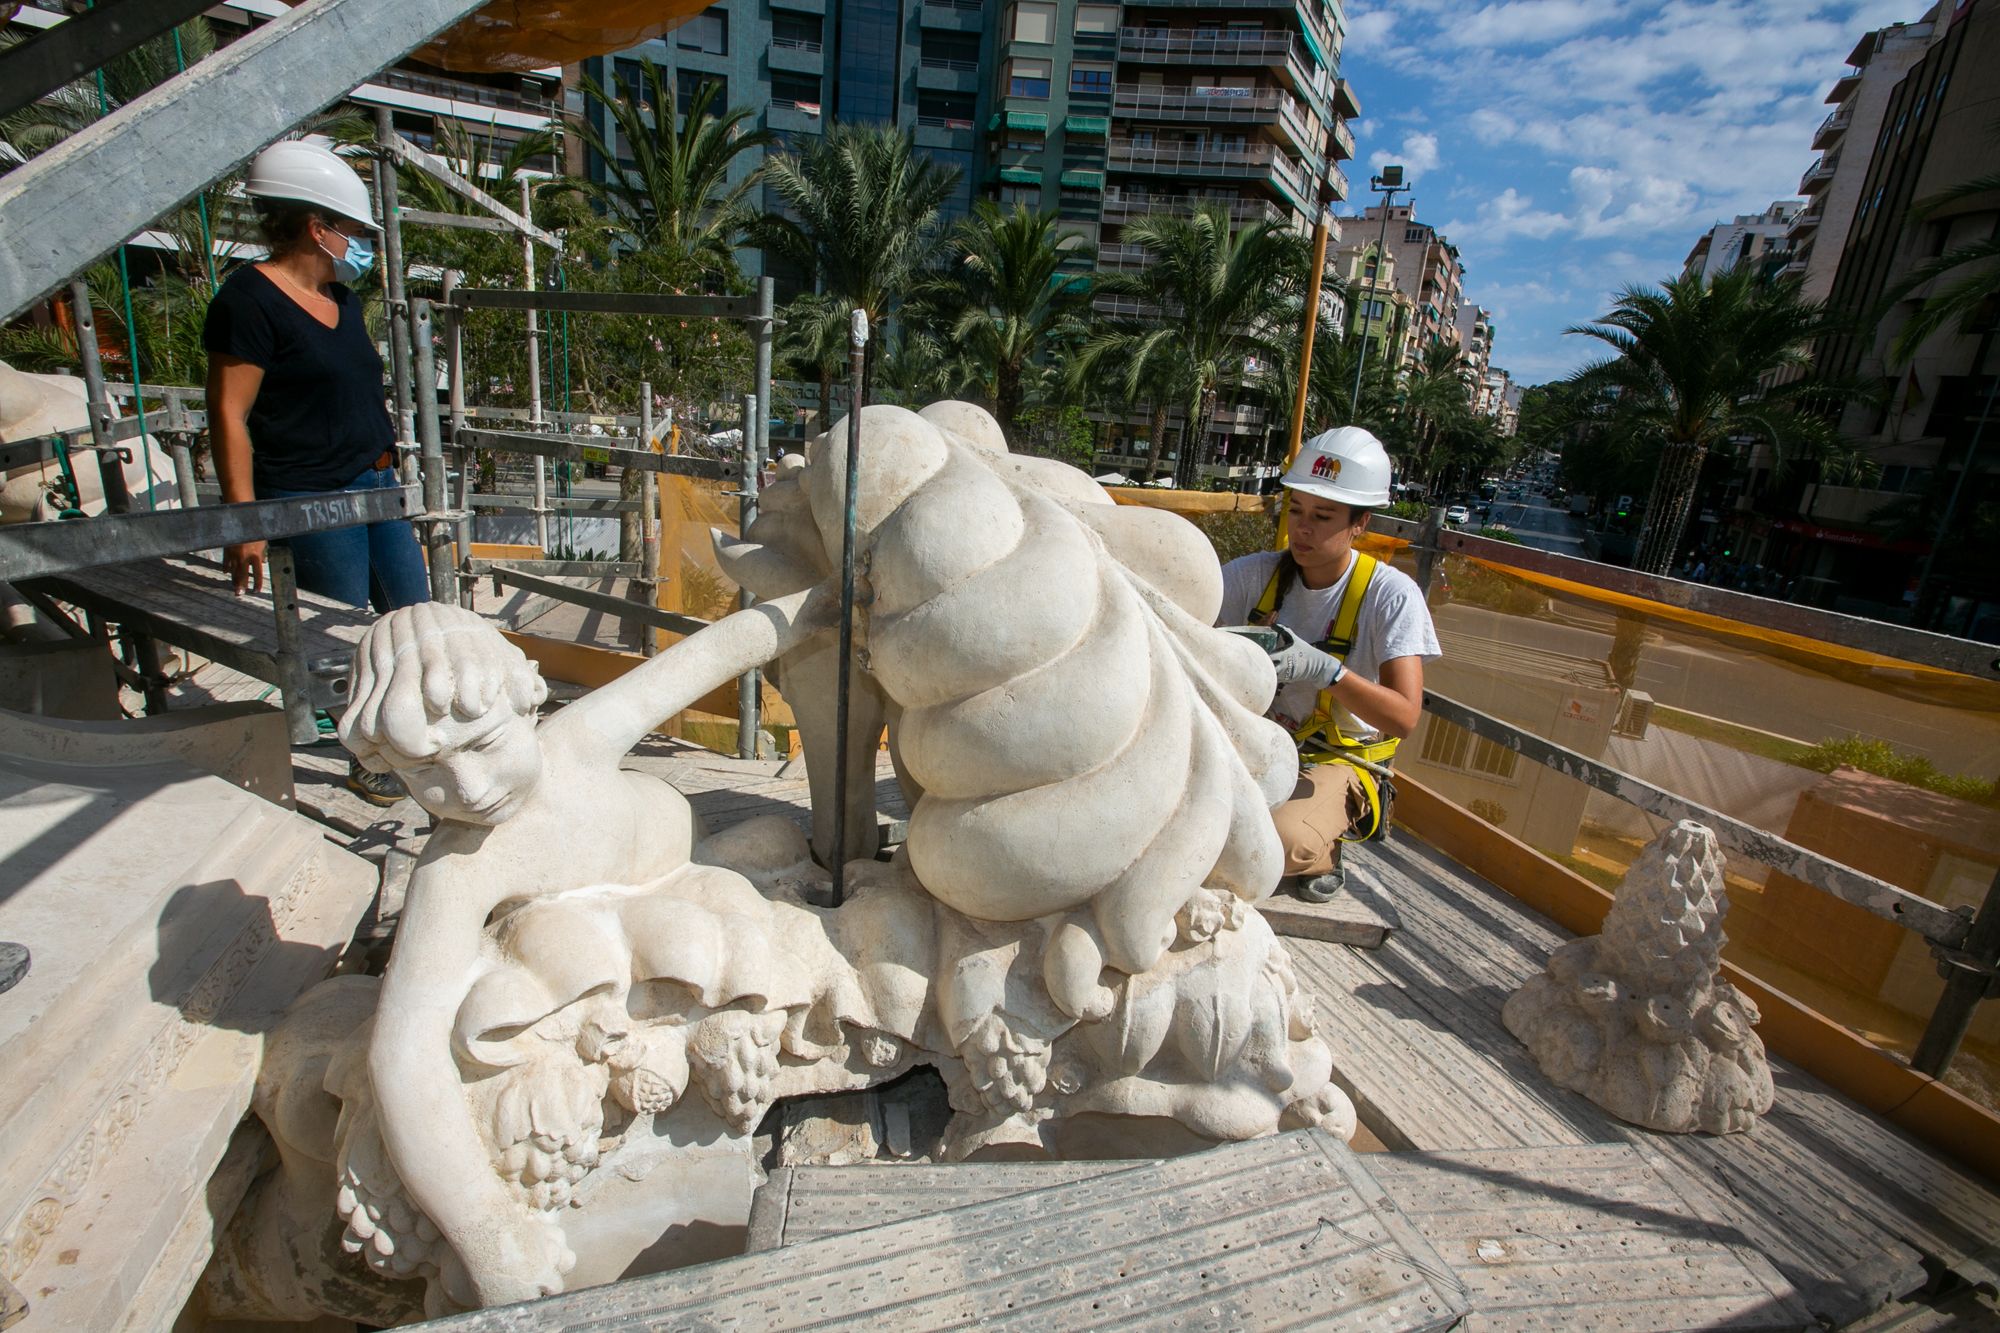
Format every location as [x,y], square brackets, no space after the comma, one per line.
[284,224]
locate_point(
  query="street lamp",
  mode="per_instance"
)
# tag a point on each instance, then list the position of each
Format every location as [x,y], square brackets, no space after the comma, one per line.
[1389,184]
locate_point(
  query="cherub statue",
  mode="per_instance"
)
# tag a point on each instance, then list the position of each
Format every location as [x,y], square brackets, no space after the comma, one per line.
[525,811]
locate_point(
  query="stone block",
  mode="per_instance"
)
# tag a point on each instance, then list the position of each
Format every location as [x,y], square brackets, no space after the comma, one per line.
[72,678]
[243,743]
[172,917]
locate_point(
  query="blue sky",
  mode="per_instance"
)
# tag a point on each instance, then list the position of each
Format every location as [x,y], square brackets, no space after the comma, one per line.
[1570,147]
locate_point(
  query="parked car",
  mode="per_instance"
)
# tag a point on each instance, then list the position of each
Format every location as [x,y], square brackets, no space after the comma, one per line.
[1457,515]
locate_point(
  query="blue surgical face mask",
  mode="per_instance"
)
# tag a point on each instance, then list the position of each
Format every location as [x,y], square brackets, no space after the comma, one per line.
[360,257]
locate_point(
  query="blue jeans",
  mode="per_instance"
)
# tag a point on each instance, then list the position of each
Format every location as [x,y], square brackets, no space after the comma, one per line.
[379,564]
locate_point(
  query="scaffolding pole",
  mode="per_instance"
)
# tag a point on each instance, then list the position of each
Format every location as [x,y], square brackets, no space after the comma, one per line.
[435,522]
[535,380]
[388,197]
[746,514]
[649,522]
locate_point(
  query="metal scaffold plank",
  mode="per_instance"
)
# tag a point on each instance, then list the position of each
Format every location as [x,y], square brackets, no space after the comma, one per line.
[75,203]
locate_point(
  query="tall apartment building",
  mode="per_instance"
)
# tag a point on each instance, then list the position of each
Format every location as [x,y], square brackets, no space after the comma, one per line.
[1475,347]
[1935,131]
[1378,311]
[1846,141]
[1749,238]
[1101,113]
[1428,270]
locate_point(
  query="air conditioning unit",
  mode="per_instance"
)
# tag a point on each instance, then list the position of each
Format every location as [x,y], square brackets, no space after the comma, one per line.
[1635,714]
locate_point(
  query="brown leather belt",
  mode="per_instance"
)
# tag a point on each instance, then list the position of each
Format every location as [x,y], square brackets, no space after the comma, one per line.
[388,459]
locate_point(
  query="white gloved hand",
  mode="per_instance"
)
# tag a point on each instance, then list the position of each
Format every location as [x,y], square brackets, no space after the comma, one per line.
[1297,660]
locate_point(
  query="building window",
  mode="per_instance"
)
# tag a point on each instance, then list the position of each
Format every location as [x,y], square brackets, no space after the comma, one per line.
[1090,80]
[1028,78]
[688,82]
[1027,196]
[795,90]
[1024,145]
[707,32]
[1035,21]
[629,79]
[796,31]
[1097,19]
[1448,746]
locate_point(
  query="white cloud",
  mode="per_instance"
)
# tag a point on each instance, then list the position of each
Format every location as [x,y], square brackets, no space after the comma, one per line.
[1509,213]
[1369,28]
[1616,203]
[1418,154]
[1528,22]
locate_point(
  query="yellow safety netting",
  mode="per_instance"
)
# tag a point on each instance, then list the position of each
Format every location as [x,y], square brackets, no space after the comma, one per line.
[514,36]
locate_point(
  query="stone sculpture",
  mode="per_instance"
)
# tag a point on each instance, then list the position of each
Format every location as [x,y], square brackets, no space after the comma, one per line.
[32,405]
[584,988]
[1639,1018]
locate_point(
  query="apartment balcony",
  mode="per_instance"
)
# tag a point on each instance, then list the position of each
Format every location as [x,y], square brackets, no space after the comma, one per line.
[1252,161]
[1844,86]
[1819,173]
[795,117]
[944,74]
[1345,104]
[950,15]
[1120,256]
[1808,219]
[801,6]
[797,54]
[1242,212]
[1343,141]
[1212,105]
[1833,126]
[1337,178]
[1268,48]
[945,132]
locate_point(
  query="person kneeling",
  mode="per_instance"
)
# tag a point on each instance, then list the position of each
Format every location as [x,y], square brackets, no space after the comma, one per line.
[1352,638]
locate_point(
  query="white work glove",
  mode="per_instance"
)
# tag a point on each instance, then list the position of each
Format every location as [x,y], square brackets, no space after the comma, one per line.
[1297,660]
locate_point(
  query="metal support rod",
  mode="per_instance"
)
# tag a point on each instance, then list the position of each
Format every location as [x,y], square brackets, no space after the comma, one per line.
[1969,980]
[110,466]
[1367,300]
[649,521]
[183,456]
[535,378]
[454,375]
[765,335]
[436,532]
[294,677]
[392,274]
[746,514]
[857,357]
[1427,546]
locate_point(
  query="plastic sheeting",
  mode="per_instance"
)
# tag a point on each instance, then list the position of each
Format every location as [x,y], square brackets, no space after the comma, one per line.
[515,36]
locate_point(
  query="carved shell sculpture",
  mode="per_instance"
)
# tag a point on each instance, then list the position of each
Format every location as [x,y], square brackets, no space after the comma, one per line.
[1083,744]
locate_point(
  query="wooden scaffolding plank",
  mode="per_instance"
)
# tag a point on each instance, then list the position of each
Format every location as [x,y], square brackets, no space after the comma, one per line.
[1465,948]
[1600,1236]
[800,1204]
[1285,1232]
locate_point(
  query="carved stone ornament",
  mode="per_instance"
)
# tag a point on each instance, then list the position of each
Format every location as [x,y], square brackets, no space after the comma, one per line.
[1639,1018]
[587,1000]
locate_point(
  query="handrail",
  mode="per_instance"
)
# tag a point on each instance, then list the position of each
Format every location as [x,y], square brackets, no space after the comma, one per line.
[1877,897]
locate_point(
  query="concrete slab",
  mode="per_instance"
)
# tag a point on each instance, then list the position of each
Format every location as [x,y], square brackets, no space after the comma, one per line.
[1360,914]
[172,917]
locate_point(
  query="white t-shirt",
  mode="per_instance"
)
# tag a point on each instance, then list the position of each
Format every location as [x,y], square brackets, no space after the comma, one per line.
[1394,622]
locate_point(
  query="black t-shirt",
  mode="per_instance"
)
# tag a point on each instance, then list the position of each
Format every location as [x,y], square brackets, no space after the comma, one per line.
[319,420]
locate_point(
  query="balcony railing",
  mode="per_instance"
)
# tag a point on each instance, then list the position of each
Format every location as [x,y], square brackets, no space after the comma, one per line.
[1250,159]
[1200,103]
[947,62]
[464,92]
[944,122]
[1118,255]
[1124,208]
[1343,140]
[959,6]
[1212,45]
[796,44]
[1837,121]
[1819,173]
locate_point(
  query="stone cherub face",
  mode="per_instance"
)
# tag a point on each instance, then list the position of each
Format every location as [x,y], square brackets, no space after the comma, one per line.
[448,705]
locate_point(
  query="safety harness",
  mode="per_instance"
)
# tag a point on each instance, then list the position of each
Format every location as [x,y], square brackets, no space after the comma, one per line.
[1320,738]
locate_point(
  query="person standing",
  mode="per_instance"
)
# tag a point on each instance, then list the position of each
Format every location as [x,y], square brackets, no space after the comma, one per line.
[295,397]
[1354,635]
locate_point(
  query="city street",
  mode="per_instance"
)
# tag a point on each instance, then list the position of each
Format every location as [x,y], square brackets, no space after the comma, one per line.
[1537,523]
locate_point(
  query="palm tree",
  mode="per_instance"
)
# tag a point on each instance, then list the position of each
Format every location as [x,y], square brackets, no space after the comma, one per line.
[867,217]
[1013,298]
[1433,400]
[1218,297]
[1690,373]
[675,197]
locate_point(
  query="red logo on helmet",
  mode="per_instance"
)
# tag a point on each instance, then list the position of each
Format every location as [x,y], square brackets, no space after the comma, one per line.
[1326,465]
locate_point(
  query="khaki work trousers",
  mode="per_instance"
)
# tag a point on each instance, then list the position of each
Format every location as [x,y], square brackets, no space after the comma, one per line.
[1328,802]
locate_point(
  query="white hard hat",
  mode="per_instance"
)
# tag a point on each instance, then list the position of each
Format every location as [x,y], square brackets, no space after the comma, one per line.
[1347,465]
[305,173]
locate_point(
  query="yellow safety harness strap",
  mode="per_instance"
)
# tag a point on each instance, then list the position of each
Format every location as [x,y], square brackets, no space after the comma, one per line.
[1320,739]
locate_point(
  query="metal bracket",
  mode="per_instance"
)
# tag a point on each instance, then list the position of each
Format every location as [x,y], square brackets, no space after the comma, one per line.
[1952,962]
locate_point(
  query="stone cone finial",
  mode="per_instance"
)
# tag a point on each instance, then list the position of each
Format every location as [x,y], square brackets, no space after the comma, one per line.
[1639,1018]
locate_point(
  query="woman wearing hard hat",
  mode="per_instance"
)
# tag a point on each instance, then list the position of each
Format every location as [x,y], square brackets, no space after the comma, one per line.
[295,401]
[1351,638]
